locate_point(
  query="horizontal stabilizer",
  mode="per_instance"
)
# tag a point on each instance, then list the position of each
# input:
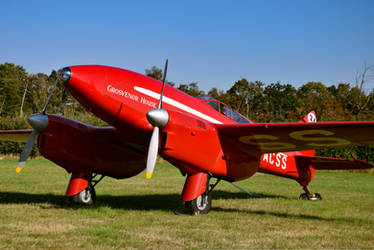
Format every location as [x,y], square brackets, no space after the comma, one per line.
[326,163]
[15,135]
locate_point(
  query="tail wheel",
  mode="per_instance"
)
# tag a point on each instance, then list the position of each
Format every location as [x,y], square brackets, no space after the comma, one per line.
[316,196]
[312,197]
[201,204]
[86,197]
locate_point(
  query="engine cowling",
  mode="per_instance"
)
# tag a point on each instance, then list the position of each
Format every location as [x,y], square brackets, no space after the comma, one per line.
[79,147]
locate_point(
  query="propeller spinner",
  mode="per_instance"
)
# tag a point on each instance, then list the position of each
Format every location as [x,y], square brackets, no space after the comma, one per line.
[158,118]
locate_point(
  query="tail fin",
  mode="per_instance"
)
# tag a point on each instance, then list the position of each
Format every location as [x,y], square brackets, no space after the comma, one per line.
[310,117]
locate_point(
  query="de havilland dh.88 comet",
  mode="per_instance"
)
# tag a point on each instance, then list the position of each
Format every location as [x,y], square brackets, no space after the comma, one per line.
[204,138]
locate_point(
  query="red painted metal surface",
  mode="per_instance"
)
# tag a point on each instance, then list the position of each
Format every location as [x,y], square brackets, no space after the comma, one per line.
[122,98]
[78,182]
[278,137]
[186,132]
[327,163]
[287,165]
[79,147]
[194,186]
[197,138]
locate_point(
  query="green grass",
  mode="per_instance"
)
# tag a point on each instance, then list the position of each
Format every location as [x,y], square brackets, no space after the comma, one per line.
[138,213]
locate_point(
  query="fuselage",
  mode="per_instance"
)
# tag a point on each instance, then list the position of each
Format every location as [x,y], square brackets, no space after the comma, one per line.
[122,98]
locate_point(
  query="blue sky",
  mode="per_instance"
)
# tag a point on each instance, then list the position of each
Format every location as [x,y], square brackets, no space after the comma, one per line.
[212,42]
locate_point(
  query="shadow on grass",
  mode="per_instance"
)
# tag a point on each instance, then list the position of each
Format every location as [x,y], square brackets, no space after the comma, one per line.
[133,202]
[162,202]
[275,214]
[218,194]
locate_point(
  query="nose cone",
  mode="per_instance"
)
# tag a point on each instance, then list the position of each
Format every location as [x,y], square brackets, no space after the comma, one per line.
[82,78]
[158,117]
[86,83]
[65,74]
[39,122]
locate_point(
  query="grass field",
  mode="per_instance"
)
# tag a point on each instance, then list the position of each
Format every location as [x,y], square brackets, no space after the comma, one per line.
[138,213]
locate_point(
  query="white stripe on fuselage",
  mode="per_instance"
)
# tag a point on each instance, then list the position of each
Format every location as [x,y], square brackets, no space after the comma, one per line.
[176,104]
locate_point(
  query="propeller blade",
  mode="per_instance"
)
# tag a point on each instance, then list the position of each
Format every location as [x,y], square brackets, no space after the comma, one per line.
[26,151]
[159,106]
[152,152]
[158,118]
[49,98]
[38,122]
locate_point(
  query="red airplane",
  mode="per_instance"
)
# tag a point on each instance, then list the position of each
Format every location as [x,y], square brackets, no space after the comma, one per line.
[202,137]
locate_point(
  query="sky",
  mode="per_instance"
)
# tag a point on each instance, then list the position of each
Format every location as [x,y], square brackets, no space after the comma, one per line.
[214,43]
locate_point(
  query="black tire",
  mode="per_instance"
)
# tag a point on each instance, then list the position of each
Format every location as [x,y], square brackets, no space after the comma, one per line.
[201,205]
[304,196]
[316,196]
[86,197]
[312,197]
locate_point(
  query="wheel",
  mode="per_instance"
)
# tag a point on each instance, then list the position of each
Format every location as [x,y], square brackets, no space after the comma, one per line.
[315,196]
[201,204]
[86,197]
[304,196]
[312,197]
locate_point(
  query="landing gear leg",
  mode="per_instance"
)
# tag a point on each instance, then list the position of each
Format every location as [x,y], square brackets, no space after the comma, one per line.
[203,203]
[88,195]
[308,196]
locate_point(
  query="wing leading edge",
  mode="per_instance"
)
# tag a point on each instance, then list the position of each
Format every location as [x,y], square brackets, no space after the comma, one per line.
[15,135]
[281,137]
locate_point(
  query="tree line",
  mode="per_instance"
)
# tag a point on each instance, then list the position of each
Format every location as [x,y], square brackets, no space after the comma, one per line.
[22,93]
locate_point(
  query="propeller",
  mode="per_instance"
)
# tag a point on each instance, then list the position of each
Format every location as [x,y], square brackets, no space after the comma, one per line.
[38,122]
[49,98]
[158,118]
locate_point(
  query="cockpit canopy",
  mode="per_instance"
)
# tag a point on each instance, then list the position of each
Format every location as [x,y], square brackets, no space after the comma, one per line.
[224,109]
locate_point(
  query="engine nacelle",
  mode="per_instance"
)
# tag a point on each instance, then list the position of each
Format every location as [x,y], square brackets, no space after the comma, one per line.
[80,147]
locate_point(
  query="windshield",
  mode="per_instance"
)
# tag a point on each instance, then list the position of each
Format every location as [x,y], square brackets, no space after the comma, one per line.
[213,104]
[224,109]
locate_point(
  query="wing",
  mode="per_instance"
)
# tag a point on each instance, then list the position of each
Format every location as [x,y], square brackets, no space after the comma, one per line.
[15,135]
[278,137]
[326,163]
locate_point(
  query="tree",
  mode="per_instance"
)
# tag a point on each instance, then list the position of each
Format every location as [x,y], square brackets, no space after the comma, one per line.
[192,89]
[314,96]
[247,98]
[339,110]
[281,101]
[239,93]
[358,100]
[2,103]
[12,88]
[214,93]
[154,72]
[157,74]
